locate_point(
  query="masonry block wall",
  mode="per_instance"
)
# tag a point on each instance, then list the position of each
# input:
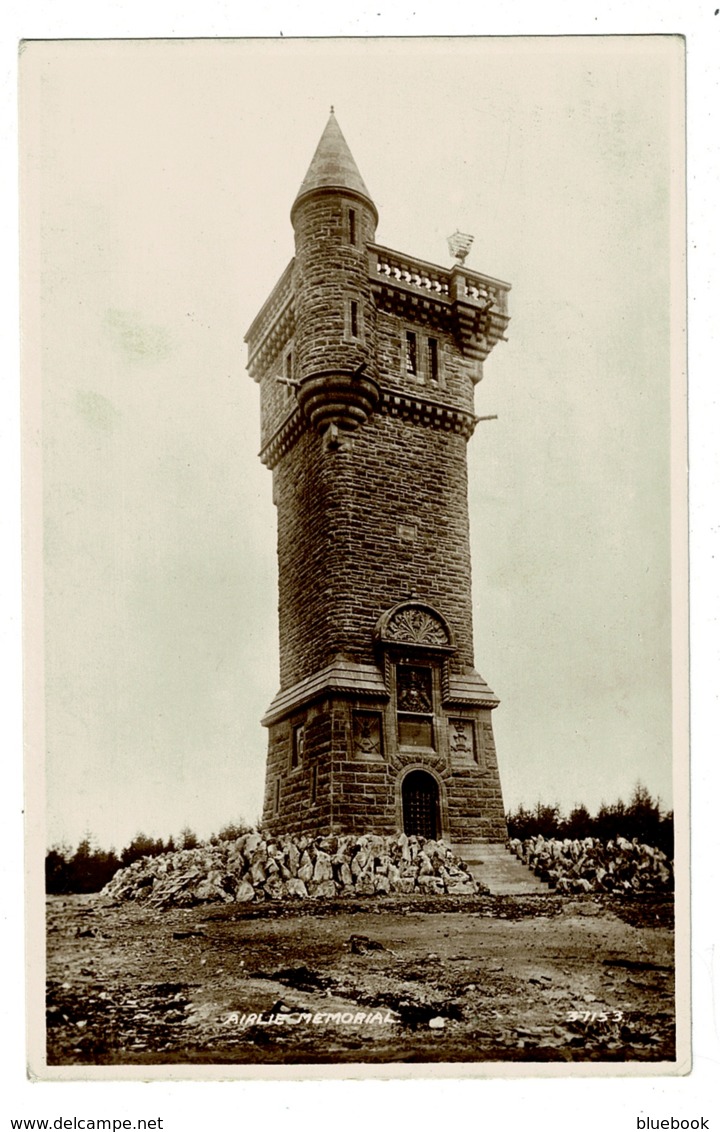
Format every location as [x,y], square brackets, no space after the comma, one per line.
[330,273]
[367,361]
[359,530]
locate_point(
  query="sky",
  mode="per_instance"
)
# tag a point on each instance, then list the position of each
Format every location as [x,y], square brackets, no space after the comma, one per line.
[158,179]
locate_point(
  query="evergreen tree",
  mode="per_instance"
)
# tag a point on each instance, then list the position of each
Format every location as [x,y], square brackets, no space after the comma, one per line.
[188,839]
[141,846]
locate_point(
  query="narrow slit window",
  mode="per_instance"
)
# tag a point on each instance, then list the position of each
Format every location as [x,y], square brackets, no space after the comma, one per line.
[313,785]
[289,365]
[297,749]
[411,352]
[276,799]
[433,358]
[351,226]
[353,318]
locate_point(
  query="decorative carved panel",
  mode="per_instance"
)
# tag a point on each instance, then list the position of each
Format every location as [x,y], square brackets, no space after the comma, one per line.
[367,734]
[415,626]
[414,690]
[462,740]
[415,706]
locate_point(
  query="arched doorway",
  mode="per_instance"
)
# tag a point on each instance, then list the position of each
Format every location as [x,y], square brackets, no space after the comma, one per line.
[420,803]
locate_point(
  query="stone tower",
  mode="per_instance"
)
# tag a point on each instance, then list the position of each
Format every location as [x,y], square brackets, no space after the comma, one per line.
[367,361]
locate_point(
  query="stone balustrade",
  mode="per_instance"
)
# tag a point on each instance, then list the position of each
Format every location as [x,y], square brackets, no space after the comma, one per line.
[455,284]
[412,272]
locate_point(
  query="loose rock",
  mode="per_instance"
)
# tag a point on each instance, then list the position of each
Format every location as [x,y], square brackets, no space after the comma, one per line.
[257,868]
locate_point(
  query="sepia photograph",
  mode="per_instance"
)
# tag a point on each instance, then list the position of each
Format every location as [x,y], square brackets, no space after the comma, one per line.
[355,544]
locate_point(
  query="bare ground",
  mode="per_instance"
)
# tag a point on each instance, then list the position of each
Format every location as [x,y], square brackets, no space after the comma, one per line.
[541,978]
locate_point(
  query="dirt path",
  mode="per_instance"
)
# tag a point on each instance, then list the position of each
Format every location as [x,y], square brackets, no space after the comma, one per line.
[482,979]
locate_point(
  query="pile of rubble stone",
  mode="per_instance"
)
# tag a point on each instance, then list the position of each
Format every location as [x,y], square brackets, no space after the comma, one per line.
[256,868]
[590,865]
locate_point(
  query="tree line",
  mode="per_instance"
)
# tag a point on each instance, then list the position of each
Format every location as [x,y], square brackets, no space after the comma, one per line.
[88,868]
[640,819]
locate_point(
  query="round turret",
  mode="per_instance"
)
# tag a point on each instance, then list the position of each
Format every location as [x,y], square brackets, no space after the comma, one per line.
[334,219]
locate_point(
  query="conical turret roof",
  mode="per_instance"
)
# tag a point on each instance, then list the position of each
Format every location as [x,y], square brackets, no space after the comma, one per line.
[333,166]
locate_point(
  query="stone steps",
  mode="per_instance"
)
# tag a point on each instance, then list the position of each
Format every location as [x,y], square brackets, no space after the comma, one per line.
[492,864]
